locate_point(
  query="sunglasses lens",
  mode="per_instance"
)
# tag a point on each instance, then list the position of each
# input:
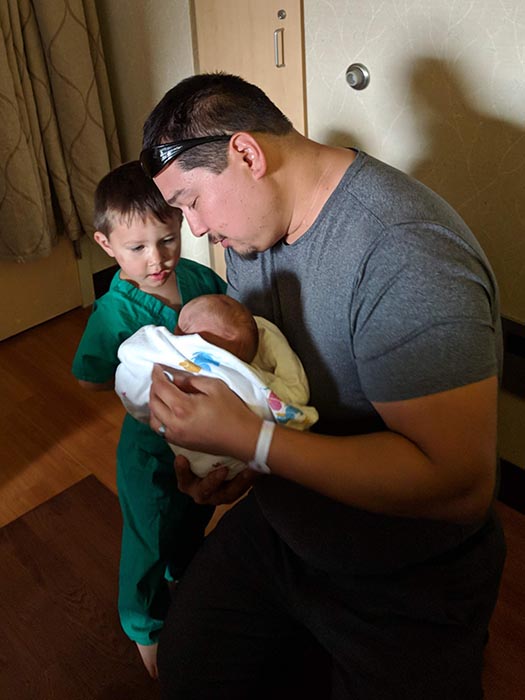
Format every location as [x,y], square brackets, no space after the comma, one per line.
[147,161]
[156,158]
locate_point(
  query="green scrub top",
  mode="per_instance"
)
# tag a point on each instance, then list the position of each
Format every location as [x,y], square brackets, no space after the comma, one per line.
[161,526]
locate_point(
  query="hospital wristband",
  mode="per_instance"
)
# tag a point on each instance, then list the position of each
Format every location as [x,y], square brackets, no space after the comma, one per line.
[258,463]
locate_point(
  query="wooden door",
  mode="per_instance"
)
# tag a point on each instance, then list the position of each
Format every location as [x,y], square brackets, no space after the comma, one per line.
[263,43]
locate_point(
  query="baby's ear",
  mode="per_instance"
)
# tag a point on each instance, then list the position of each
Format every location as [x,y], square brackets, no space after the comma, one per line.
[104,242]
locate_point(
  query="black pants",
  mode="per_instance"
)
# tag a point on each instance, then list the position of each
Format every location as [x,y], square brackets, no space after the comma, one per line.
[249,613]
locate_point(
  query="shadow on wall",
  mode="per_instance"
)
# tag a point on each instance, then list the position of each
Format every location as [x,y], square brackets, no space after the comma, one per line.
[345,139]
[477,163]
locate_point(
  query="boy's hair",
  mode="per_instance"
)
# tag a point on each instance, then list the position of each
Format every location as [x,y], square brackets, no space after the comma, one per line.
[212,104]
[125,193]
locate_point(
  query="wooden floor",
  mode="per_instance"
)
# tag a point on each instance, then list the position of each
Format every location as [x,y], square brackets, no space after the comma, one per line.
[53,435]
[61,637]
[504,677]
[52,432]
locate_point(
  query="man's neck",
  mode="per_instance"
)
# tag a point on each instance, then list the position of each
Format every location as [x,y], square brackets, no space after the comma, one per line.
[317,170]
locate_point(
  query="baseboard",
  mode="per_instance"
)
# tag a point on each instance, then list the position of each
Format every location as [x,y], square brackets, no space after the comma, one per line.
[514,358]
[512,486]
[102,280]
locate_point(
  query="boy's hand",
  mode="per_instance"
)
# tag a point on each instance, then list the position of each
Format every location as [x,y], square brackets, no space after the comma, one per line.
[148,654]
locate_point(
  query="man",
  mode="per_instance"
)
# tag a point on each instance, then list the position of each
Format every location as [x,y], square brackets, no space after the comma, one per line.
[375,532]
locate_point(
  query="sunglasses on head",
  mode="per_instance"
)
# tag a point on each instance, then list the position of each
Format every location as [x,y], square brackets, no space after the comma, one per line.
[156,158]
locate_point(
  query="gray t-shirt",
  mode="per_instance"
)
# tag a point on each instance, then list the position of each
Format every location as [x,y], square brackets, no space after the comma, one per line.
[388,296]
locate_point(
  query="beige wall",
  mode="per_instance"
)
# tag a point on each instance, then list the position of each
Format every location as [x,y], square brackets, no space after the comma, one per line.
[148,49]
[446,103]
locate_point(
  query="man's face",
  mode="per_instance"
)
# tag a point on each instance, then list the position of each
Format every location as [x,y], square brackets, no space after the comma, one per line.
[233,208]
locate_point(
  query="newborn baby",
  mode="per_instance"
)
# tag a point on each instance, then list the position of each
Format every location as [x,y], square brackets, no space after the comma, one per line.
[217,336]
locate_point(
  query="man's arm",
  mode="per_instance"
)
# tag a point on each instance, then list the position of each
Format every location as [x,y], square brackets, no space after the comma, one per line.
[437,460]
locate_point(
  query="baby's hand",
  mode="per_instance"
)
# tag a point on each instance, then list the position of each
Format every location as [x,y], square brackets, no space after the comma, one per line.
[148,654]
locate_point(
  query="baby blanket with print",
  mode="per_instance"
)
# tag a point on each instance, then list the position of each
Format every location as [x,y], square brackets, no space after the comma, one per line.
[190,353]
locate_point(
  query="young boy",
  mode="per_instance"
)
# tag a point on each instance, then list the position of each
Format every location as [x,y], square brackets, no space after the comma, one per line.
[162,528]
[217,336]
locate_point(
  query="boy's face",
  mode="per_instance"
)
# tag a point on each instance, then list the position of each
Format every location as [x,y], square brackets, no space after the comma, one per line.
[147,251]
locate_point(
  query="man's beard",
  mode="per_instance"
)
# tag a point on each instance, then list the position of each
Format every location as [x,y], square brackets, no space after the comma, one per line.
[247,252]
[250,254]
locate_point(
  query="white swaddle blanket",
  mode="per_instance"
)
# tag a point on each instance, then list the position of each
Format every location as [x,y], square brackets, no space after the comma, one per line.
[190,353]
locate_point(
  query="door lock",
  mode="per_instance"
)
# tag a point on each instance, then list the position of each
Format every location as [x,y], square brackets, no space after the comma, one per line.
[357,76]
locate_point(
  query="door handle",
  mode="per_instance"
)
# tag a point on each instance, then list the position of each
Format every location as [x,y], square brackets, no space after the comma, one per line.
[278,47]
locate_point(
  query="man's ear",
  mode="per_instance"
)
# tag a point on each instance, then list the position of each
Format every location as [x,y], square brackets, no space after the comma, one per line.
[104,243]
[246,146]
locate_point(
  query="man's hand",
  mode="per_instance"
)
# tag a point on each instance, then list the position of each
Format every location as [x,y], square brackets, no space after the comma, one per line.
[213,489]
[202,413]
[148,655]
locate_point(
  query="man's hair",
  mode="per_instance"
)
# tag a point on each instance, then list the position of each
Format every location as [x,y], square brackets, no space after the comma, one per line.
[212,104]
[125,193]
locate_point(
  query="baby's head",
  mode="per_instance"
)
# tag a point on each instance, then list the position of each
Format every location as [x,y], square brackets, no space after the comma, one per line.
[222,321]
[136,226]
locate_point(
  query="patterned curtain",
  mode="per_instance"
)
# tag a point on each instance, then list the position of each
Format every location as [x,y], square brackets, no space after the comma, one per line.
[57,127]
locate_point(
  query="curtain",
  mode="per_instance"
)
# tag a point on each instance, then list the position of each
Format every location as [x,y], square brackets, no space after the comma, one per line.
[57,127]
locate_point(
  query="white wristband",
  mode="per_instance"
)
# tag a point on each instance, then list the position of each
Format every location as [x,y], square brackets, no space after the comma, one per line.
[258,463]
